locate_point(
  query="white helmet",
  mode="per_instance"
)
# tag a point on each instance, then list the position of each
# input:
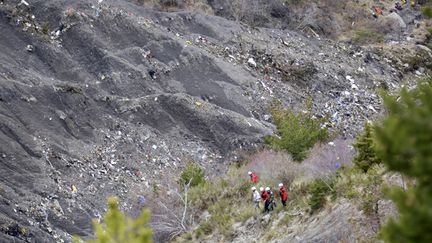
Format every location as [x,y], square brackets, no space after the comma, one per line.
[267,188]
[261,188]
[250,173]
[280,185]
[253,188]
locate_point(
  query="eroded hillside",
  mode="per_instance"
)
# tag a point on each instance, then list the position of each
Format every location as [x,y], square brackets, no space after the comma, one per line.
[102,98]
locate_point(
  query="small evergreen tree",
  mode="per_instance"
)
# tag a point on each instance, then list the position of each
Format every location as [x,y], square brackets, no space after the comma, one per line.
[366,155]
[404,143]
[192,174]
[117,228]
[319,190]
[297,132]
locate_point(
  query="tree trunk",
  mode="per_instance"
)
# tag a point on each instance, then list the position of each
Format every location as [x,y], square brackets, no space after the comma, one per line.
[408,4]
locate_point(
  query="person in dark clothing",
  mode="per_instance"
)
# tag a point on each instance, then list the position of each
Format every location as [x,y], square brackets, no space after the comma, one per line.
[271,204]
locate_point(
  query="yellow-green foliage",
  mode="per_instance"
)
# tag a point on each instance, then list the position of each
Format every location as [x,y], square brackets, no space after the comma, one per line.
[297,132]
[270,234]
[221,219]
[227,199]
[245,211]
[363,188]
[367,36]
[427,11]
[231,187]
[117,228]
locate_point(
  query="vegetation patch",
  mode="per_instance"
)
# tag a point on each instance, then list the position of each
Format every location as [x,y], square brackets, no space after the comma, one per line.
[192,175]
[404,141]
[296,132]
[117,227]
[367,36]
[366,155]
[319,190]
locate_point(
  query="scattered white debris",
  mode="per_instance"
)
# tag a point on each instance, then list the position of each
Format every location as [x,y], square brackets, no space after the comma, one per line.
[370,107]
[251,62]
[24,2]
[30,48]
[349,78]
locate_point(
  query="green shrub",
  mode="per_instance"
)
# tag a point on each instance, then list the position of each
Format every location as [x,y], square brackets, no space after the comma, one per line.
[319,190]
[188,236]
[427,11]
[366,155]
[297,132]
[221,216]
[245,212]
[367,36]
[45,28]
[240,189]
[371,190]
[205,228]
[192,174]
[117,228]
[300,74]
[369,205]
[208,193]
[224,198]
[298,195]
[269,235]
[404,142]
[155,189]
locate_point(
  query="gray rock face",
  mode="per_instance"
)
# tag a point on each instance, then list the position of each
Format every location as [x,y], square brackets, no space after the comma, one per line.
[395,20]
[100,99]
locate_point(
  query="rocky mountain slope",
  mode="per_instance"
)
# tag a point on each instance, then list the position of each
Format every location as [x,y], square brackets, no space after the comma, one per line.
[102,98]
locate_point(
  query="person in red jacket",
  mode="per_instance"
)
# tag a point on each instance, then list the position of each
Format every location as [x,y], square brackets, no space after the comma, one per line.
[283,194]
[265,198]
[253,176]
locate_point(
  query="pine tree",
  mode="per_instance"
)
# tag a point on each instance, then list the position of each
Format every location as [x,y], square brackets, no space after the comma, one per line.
[192,175]
[117,228]
[404,143]
[366,155]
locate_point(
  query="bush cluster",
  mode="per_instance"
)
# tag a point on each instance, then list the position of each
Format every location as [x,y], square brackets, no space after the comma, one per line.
[319,190]
[297,132]
[367,36]
[192,175]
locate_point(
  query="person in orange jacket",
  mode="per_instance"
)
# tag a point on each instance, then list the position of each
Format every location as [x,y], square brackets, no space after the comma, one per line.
[283,194]
[253,176]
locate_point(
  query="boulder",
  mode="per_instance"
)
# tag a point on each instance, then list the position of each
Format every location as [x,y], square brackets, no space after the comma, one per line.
[394,21]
